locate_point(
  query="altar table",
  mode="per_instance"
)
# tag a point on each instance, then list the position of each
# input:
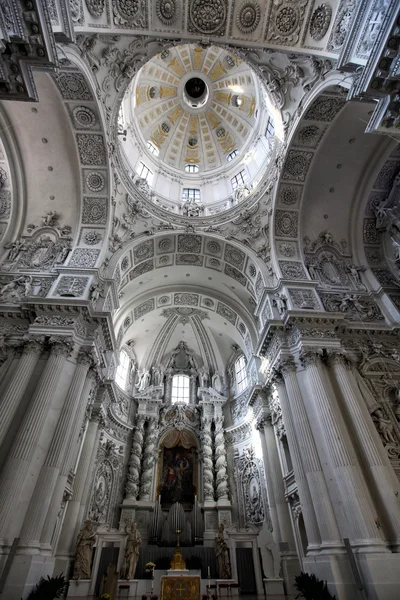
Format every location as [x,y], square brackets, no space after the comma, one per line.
[181,587]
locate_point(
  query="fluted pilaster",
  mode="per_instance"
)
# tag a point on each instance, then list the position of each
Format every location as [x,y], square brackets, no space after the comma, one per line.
[310,521]
[149,456]
[13,394]
[15,472]
[359,519]
[303,435]
[221,465]
[133,477]
[387,486]
[208,474]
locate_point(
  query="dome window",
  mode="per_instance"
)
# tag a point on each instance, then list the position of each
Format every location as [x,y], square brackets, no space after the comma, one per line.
[144,172]
[232,155]
[192,142]
[165,127]
[192,169]
[239,179]
[121,375]
[152,148]
[191,194]
[270,130]
[221,133]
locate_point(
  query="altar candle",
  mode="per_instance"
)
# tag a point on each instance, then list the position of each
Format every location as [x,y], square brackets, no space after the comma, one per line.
[209,573]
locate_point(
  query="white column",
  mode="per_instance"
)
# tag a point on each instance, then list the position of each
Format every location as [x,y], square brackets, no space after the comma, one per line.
[14,392]
[59,446]
[133,477]
[386,484]
[149,456]
[276,493]
[310,521]
[76,506]
[220,457]
[308,456]
[208,473]
[13,504]
[354,505]
[69,456]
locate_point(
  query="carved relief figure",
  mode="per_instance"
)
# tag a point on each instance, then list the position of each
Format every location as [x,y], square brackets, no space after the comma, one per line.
[131,550]
[385,427]
[222,555]
[83,557]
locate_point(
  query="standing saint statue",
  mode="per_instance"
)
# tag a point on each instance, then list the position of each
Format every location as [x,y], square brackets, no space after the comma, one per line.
[131,550]
[222,555]
[83,557]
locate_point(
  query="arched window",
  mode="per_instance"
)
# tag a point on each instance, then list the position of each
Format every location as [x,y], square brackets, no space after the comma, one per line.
[180,389]
[241,374]
[121,376]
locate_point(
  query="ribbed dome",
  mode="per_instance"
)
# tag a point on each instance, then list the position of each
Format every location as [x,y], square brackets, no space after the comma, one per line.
[195,106]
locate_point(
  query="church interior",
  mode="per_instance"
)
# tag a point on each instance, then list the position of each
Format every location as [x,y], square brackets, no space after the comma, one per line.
[200,299]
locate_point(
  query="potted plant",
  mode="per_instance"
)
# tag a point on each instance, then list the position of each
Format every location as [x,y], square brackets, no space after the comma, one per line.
[105,597]
[312,588]
[50,588]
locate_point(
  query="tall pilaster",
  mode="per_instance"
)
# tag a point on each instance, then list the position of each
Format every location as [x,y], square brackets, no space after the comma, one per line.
[282,527]
[208,474]
[354,507]
[149,456]
[11,397]
[13,503]
[133,477]
[310,520]
[221,465]
[386,485]
[305,454]
[77,505]
[69,456]
[59,446]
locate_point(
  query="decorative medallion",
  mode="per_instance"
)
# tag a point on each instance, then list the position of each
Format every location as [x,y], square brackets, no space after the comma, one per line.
[73,86]
[84,117]
[342,24]
[130,12]
[95,7]
[167,11]
[214,247]
[248,17]
[91,238]
[208,16]
[287,20]
[95,182]
[320,21]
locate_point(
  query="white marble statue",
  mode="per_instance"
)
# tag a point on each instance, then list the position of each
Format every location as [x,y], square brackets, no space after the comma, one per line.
[83,556]
[131,550]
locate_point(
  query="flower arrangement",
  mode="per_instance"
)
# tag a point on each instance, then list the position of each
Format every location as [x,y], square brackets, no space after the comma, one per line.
[150,565]
[144,596]
[105,597]
[204,597]
[154,597]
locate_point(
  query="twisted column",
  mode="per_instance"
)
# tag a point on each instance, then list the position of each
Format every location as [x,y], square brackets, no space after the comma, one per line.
[133,477]
[220,459]
[148,459]
[13,477]
[387,486]
[306,455]
[354,504]
[13,393]
[208,475]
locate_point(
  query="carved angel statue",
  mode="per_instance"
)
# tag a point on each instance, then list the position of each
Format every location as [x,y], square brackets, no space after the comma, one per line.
[131,550]
[354,272]
[218,382]
[83,556]
[241,193]
[16,289]
[191,208]
[144,380]
[385,427]
[50,219]
[280,301]
[96,292]
[15,248]
[222,555]
[203,377]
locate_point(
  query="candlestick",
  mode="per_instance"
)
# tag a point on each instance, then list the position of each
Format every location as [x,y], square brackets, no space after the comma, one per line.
[209,573]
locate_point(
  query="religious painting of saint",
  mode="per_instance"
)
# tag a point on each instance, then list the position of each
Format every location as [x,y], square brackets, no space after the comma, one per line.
[177,477]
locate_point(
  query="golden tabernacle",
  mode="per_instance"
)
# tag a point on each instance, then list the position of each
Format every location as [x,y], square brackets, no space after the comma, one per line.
[180,588]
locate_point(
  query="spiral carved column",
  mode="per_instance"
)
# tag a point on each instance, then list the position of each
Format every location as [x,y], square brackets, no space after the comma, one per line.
[208,476]
[220,459]
[148,459]
[133,477]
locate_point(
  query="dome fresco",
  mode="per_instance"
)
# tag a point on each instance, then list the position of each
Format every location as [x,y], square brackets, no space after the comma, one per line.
[190,130]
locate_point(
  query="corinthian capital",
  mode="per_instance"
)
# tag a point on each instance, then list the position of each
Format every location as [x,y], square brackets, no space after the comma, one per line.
[85,357]
[337,357]
[60,346]
[310,356]
[286,365]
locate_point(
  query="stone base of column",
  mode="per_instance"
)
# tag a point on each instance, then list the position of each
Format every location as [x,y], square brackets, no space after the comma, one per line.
[336,571]
[290,568]
[274,589]
[25,572]
[380,575]
[79,589]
